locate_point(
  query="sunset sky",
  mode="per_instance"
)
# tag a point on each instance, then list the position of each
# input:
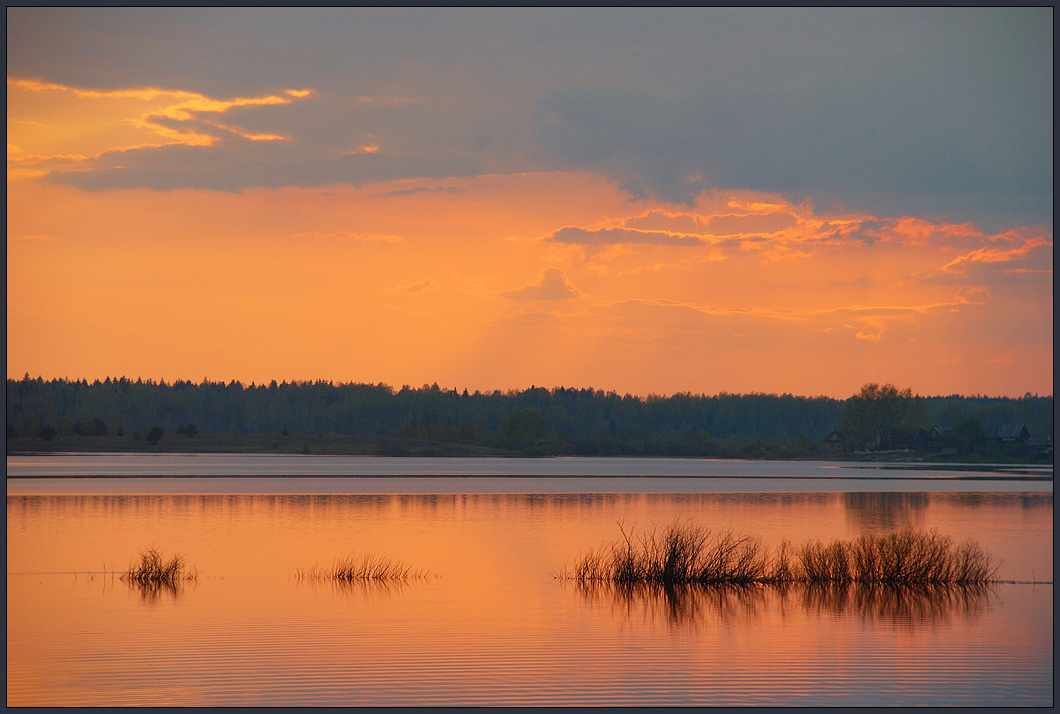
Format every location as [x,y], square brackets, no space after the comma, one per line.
[645,201]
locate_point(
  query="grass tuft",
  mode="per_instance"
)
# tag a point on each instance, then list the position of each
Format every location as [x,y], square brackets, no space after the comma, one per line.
[686,553]
[154,570]
[364,568]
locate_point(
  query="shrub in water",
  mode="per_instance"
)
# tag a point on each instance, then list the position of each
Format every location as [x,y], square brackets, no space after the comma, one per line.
[689,553]
[367,567]
[155,570]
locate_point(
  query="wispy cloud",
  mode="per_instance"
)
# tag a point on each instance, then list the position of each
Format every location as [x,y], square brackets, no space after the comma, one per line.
[961,263]
[616,236]
[413,288]
[553,285]
[35,238]
[418,190]
[351,236]
[871,322]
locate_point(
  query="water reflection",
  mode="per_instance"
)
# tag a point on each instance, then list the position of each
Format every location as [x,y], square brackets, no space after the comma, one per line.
[909,605]
[494,628]
[691,605]
[155,592]
[888,511]
[361,591]
[675,604]
[874,512]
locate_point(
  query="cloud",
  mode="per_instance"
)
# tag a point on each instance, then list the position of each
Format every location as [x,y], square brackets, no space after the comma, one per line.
[524,320]
[238,164]
[413,288]
[420,189]
[973,295]
[735,224]
[552,286]
[913,231]
[944,106]
[660,220]
[961,263]
[1006,360]
[387,101]
[165,139]
[347,235]
[161,115]
[868,323]
[880,126]
[776,230]
[35,238]
[615,236]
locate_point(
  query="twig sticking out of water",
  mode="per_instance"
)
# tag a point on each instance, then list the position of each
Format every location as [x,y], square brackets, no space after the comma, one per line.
[689,553]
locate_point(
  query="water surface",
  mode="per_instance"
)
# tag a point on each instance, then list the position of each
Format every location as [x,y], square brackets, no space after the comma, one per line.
[492,624]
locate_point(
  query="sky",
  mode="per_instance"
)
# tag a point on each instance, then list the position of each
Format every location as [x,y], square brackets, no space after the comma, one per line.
[646,201]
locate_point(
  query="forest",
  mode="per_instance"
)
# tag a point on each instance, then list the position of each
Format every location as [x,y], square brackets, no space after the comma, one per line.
[535,421]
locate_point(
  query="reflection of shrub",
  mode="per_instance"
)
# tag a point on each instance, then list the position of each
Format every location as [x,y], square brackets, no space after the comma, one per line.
[689,553]
[905,605]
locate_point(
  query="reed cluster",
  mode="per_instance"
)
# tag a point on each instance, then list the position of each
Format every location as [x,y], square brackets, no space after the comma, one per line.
[902,558]
[153,570]
[691,554]
[364,568]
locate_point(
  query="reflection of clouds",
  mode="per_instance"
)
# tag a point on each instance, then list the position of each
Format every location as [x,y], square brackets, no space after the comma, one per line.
[690,605]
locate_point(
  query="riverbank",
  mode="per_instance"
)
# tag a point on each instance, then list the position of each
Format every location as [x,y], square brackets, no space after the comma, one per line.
[401,446]
[319,444]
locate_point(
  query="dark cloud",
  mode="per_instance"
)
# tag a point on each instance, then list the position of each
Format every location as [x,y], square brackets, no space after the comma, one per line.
[932,110]
[241,164]
[836,141]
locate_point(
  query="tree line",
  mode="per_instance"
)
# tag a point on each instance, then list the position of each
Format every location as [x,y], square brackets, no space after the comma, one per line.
[535,420]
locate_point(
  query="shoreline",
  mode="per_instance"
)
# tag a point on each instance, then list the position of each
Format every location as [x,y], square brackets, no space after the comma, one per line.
[398,447]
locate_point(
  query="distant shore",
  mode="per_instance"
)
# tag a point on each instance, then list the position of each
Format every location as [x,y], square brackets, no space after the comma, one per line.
[366,445]
[316,444]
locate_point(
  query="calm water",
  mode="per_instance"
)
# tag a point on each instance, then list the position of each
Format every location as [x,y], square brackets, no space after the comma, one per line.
[491,624]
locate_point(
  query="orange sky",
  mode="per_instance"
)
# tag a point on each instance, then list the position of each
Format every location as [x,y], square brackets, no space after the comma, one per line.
[554,275]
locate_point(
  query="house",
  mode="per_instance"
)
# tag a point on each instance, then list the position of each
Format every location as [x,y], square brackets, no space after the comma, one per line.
[908,438]
[1010,433]
[939,435]
[1041,444]
[834,441]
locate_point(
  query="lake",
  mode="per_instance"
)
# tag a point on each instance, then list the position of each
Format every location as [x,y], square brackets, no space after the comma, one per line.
[491,623]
